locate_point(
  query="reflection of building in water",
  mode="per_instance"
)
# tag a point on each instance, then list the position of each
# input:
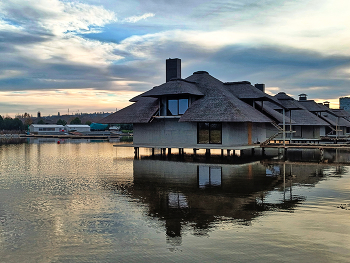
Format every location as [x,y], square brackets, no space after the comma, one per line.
[322,155]
[195,196]
[209,176]
[38,140]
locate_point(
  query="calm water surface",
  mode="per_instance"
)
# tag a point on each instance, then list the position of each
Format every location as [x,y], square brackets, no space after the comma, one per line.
[92,202]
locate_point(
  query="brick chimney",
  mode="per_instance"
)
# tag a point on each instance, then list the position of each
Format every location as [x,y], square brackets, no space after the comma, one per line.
[173,68]
[260,87]
[302,97]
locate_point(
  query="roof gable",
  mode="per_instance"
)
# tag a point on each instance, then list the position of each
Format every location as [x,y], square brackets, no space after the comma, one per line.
[139,112]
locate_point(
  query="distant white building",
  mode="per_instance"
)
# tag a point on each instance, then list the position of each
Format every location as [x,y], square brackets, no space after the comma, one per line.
[77,127]
[46,128]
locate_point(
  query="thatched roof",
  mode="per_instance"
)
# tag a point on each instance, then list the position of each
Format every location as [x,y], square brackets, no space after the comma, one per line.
[137,98]
[288,102]
[335,120]
[139,112]
[274,114]
[341,113]
[219,104]
[222,109]
[216,101]
[300,116]
[313,106]
[245,91]
[343,122]
[335,117]
[305,117]
[283,96]
[174,87]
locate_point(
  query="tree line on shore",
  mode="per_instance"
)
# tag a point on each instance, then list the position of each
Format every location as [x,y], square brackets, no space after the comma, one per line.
[8,123]
[16,124]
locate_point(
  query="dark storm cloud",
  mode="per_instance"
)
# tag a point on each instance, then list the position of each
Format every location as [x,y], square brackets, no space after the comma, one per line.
[15,38]
[291,66]
[260,57]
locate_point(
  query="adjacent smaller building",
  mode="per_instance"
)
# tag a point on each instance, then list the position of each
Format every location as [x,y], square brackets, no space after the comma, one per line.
[46,128]
[77,128]
[57,129]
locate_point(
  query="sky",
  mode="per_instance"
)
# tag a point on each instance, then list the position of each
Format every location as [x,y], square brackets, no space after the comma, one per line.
[94,55]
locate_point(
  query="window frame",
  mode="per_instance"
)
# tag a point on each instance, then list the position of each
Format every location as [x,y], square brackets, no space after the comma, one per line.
[178,105]
[209,133]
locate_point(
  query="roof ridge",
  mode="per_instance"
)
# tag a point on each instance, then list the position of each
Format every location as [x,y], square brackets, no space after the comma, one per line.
[179,79]
[237,82]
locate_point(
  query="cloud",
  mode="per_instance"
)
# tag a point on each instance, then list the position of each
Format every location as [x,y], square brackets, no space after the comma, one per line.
[56,16]
[51,102]
[68,45]
[134,19]
[49,30]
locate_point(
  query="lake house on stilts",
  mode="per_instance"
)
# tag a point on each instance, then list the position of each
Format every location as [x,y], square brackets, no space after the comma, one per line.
[199,111]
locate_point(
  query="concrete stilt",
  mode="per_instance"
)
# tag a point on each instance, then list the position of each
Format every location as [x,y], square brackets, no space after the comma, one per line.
[207,152]
[136,152]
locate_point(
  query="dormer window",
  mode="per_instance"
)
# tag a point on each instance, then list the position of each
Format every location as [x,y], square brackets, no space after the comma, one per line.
[177,106]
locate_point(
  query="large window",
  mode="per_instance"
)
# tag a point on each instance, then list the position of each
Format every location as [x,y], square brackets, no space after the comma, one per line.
[209,132]
[177,106]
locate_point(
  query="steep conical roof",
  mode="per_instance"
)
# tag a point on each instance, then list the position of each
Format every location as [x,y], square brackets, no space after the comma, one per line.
[218,104]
